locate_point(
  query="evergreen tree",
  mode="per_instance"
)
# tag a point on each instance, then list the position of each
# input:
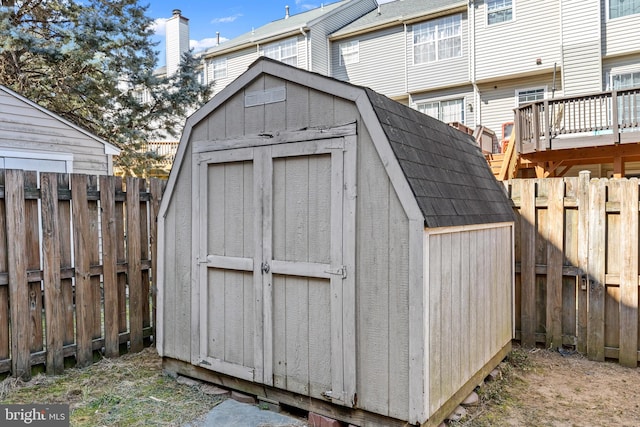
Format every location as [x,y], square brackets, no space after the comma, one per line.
[92,62]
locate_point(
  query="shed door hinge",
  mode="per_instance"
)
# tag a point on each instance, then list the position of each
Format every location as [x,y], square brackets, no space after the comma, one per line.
[333,395]
[340,271]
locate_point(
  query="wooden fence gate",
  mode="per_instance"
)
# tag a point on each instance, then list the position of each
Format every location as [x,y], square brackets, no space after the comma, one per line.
[577,265]
[77,263]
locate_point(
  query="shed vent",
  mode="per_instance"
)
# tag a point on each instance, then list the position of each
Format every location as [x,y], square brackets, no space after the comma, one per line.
[267,96]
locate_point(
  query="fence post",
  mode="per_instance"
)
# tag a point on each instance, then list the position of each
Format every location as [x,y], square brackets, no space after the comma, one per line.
[596,269]
[583,259]
[629,274]
[18,285]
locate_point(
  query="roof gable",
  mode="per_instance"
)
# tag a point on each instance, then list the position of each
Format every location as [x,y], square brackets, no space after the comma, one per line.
[442,167]
[108,148]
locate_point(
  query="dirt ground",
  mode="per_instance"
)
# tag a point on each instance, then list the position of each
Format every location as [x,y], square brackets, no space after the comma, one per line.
[536,388]
[546,388]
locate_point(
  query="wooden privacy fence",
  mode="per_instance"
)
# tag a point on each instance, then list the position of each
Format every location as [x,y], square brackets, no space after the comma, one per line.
[77,260]
[577,265]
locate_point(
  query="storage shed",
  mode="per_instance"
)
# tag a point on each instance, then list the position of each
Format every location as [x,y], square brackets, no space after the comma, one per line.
[325,247]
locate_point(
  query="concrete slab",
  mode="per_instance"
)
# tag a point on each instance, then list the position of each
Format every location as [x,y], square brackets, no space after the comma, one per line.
[231,413]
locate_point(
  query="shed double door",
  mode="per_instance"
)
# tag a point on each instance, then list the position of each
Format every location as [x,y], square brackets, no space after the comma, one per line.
[275,265]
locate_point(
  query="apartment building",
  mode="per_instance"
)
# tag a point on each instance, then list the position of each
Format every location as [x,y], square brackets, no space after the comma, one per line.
[471,61]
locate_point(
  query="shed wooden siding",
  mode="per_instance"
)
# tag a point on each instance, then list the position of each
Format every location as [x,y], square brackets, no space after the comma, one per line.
[620,36]
[581,47]
[382,287]
[509,48]
[430,75]
[497,98]
[470,301]
[381,55]
[25,128]
[176,296]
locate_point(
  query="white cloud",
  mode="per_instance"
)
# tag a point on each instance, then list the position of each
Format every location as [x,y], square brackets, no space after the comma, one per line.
[226,19]
[300,4]
[206,43]
[159,26]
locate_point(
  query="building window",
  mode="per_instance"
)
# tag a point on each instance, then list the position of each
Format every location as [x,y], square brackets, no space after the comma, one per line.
[625,81]
[499,11]
[285,51]
[448,111]
[349,52]
[526,96]
[219,68]
[437,39]
[618,8]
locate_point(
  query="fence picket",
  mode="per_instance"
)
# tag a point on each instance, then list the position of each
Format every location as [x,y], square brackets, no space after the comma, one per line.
[93,244]
[134,276]
[4,289]
[54,303]
[84,305]
[629,274]
[555,242]
[66,284]
[583,261]
[596,270]
[33,263]
[18,285]
[144,254]
[156,188]
[109,272]
[121,259]
[528,273]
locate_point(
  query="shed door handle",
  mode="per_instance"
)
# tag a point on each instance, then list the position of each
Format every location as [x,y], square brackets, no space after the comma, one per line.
[265,268]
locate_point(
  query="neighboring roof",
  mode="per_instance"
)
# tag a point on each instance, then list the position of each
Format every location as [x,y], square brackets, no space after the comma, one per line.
[277,28]
[108,148]
[395,13]
[442,167]
[448,174]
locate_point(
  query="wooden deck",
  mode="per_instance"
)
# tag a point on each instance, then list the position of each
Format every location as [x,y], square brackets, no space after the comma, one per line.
[556,134]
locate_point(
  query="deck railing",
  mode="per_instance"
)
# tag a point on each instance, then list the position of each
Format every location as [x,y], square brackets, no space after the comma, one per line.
[599,119]
[167,149]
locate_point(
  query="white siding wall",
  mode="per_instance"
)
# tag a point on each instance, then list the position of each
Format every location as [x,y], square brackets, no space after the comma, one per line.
[621,35]
[581,47]
[497,100]
[382,62]
[470,301]
[619,65]
[336,20]
[25,128]
[511,48]
[237,63]
[447,72]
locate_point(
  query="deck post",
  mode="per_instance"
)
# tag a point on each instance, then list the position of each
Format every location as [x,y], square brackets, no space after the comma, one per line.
[614,117]
[536,127]
[547,125]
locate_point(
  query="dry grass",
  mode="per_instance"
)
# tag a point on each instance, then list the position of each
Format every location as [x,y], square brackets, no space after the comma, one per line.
[129,391]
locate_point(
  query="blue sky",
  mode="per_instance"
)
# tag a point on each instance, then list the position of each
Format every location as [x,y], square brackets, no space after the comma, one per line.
[230,18]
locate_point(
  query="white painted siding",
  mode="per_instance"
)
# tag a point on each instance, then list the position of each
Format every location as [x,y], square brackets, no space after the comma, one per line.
[470,301]
[581,47]
[512,48]
[28,129]
[621,35]
[336,20]
[382,289]
[619,65]
[237,63]
[442,73]
[497,100]
[382,62]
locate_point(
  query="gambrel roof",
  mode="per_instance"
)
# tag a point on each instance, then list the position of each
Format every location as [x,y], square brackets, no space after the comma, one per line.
[443,168]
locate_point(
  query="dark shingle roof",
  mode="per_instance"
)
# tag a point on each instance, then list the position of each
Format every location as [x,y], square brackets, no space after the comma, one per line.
[445,168]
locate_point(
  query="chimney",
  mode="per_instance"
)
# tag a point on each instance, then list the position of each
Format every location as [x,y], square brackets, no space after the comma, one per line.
[177,40]
[286,13]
